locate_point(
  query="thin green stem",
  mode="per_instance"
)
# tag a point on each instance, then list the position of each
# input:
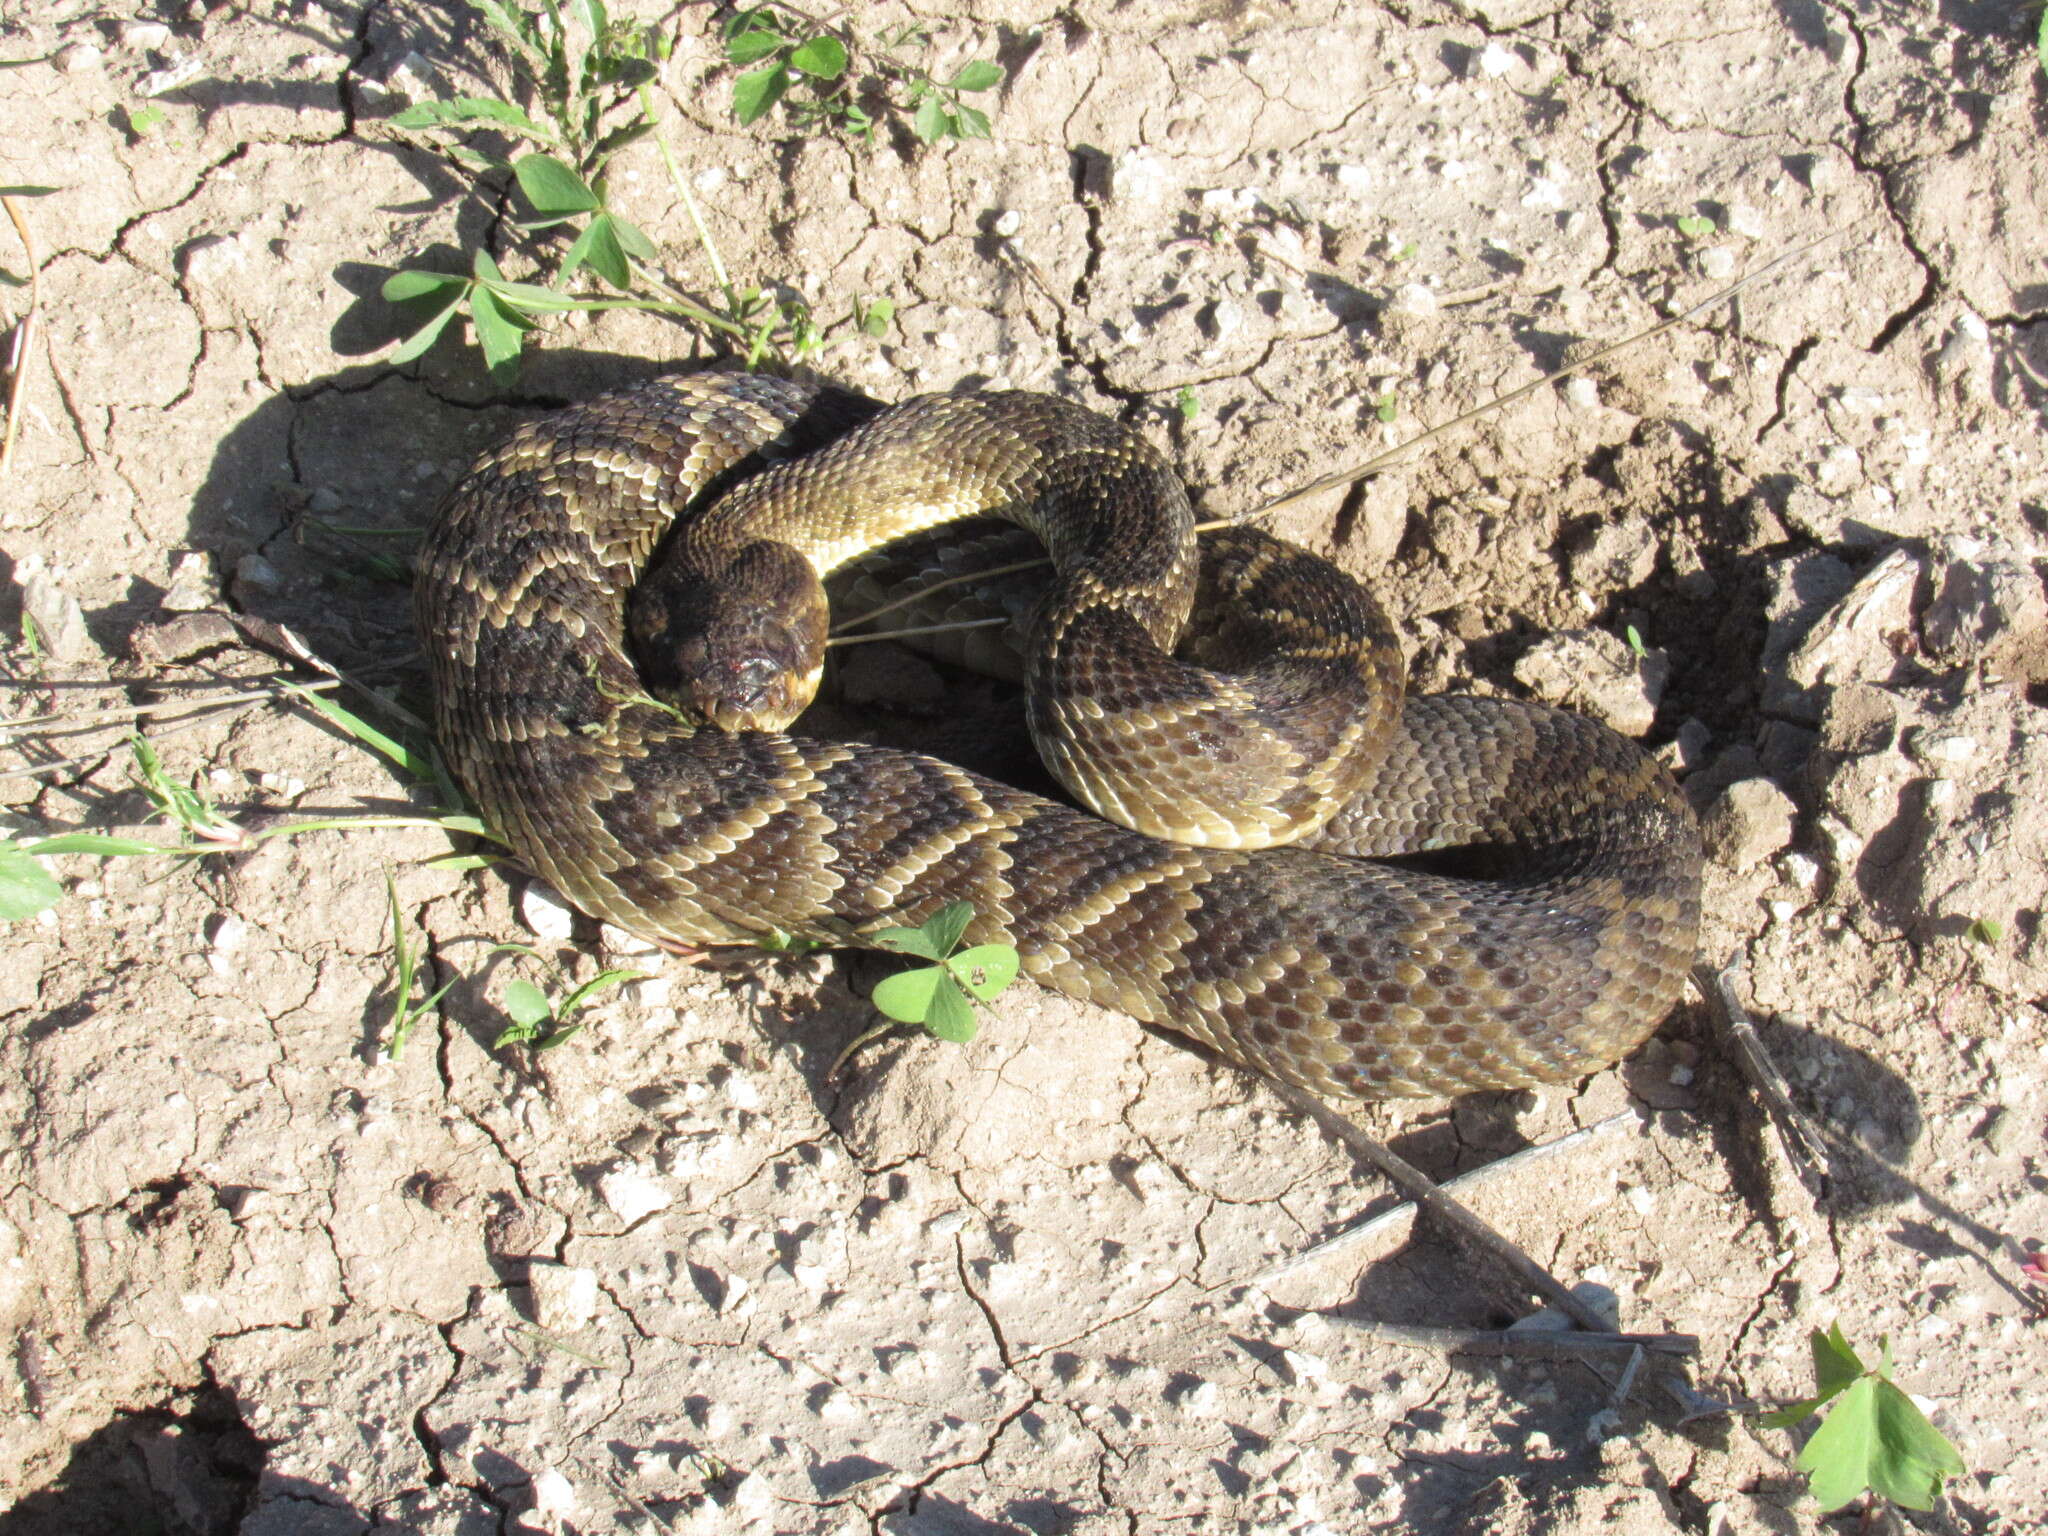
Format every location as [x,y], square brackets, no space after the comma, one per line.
[681,307]
[675,173]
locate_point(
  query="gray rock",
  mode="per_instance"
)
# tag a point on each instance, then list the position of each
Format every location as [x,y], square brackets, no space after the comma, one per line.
[1862,636]
[1730,766]
[1748,822]
[193,587]
[1382,519]
[59,621]
[180,638]
[1848,521]
[1596,673]
[1802,589]
[1784,749]
[1964,362]
[1986,607]
[1611,556]
[1687,752]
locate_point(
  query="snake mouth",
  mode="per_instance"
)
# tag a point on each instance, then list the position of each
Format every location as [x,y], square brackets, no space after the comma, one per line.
[755,693]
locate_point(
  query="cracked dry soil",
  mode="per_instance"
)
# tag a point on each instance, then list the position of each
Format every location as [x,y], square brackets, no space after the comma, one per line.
[255,1278]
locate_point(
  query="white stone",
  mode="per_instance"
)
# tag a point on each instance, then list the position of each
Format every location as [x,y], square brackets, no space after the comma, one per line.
[564,1298]
[1137,176]
[1745,221]
[1802,869]
[80,58]
[144,34]
[1496,60]
[169,78]
[1413,301]
[546,914]
[212,259]
[631,1194]
[255,571]
[624,943]
[554,1496]
[1008,222]
[1582,394]
[411,79]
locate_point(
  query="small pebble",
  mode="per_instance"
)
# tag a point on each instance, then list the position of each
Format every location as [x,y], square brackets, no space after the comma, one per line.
[546,915]
[630,1194]
[624,943]
[255,571]
[564,1297]
[192,587]
[144,34]
[1745,221]
[411,79]
[59,619]
[158,81]
[1008,223]
[80,58]
[554,1496]
[1582,394]
[1496,60]
[1413,301]
[1802,869]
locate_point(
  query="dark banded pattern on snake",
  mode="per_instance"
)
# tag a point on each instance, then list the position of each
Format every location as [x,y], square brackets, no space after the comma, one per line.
[1557,948]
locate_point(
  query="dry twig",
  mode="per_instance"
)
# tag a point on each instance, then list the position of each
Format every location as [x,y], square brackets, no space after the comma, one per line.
[24,333]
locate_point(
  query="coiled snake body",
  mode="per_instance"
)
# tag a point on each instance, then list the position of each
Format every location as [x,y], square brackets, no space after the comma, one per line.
[1550,940]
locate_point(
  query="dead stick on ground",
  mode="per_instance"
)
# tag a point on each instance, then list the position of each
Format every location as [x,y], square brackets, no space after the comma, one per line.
[24,335]
[1490,1173]
[1429,1195]
[1480,1237]
[1732,1022]
[1539,1344]
[1380,461]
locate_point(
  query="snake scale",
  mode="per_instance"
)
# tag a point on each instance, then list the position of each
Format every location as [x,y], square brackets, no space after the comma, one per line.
[1536,921]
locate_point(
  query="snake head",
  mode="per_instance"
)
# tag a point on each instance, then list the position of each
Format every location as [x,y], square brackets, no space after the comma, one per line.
[742,647]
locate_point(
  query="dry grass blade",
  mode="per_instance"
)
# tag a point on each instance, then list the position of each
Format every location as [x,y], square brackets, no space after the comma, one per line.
[63,722]
[1344,477]
[920,629]
[1481,1238]
[939,586]
[24,334]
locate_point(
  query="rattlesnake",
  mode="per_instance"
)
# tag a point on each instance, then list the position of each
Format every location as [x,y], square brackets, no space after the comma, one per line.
[1547,931]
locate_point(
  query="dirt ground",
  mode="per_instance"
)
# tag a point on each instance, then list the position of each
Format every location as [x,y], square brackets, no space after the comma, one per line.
[257,1277]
